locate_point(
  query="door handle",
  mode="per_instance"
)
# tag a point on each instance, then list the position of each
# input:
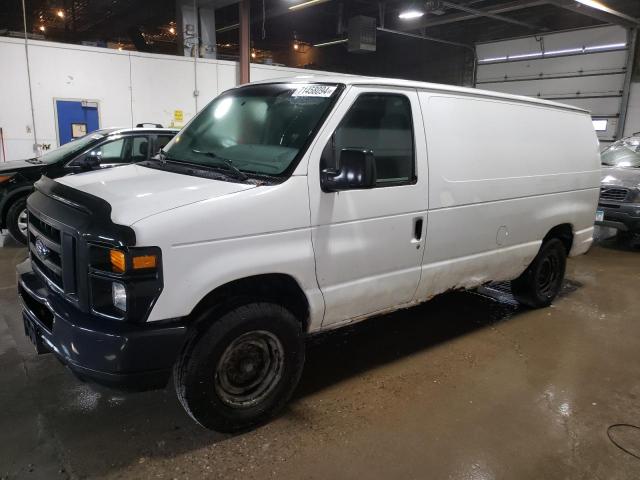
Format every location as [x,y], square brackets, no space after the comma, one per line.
[417,229]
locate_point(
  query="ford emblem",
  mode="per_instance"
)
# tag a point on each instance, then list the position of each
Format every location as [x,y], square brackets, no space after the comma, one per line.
[41,249]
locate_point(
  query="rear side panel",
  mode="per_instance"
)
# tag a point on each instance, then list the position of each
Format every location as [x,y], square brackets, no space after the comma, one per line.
[502,174]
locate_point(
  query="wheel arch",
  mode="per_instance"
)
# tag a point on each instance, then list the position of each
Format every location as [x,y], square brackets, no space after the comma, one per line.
[564,233]
[280,288]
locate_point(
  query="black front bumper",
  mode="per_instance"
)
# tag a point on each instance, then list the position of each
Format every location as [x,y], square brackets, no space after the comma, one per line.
[624,217]
[109,352]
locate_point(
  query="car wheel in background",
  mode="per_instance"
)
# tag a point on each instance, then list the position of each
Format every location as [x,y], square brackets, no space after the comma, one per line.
[17,220]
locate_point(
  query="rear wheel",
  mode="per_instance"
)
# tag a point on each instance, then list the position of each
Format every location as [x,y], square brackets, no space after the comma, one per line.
[17,220]
[243,369]
[541,282]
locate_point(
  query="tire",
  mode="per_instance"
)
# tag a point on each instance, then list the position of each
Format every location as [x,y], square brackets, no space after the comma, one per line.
[541,282]
[243,369]
[17,220]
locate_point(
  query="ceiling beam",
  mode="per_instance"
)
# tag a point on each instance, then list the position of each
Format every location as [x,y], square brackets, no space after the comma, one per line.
[464,16]
[490,14]
[605,14]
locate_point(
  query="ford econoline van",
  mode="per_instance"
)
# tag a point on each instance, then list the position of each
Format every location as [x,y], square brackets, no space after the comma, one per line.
[290,207]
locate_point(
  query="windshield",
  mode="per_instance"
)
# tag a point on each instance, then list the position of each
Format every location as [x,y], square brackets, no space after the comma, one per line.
[623,153]
[259,129]
[74,146]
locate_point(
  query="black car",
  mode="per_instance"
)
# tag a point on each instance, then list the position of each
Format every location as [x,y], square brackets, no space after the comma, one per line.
[104,148]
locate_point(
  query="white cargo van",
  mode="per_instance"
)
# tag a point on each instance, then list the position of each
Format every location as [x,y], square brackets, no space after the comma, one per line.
[290,207]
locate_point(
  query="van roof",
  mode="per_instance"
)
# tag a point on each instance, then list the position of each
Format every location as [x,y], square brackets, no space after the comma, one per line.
[394,82]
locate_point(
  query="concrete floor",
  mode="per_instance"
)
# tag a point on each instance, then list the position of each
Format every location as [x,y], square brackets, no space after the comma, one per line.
[467,386]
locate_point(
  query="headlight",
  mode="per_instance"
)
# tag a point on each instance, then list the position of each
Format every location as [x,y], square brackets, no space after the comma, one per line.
[119,264]
[124,282]
[119,296]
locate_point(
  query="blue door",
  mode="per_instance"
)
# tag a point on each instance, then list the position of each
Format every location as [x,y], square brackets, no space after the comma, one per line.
[76,118]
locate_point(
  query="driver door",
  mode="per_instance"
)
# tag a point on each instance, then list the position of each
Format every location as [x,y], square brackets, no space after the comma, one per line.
[369,243]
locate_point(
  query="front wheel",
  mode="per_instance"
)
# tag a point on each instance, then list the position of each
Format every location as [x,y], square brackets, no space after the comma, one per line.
[17,220]
[541,282]
[243,369]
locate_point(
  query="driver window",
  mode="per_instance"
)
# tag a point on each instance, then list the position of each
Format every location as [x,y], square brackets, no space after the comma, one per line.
[382,123]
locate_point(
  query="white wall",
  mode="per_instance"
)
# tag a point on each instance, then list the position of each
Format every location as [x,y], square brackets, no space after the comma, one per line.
[130,87]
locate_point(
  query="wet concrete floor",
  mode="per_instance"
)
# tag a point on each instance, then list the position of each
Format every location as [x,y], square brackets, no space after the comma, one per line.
[468,386]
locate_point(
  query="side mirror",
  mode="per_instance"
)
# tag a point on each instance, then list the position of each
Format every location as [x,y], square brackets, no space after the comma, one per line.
[357,171]
[90,161]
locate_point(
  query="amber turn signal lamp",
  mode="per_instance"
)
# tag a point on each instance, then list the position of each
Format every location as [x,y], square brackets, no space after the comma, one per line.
[144,261]
[118,262]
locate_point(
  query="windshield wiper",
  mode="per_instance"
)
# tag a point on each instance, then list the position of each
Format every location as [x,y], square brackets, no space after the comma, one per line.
[226,162]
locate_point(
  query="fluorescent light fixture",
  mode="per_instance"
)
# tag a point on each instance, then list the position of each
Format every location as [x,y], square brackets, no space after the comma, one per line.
[600,125]
[494,59]
[597,5]
[525,55]
[611,46]
[309,3]
[332,42]
[564,52]
[228,27]
[410,14]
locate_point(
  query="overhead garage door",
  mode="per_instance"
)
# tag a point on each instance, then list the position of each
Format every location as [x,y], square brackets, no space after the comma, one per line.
[585,68]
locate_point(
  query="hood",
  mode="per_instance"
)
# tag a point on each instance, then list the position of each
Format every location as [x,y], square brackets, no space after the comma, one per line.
[16,165]
[135,192]
[620,177]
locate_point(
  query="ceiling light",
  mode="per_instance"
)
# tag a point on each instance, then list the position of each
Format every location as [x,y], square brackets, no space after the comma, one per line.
[60,13]
[253,55]
[296,46]
[172,30]
[41,28]
[332,42]
[411,12]
[309,3]
[595,4]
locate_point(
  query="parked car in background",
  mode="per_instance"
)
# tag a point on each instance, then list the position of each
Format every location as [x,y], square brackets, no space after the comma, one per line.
[619,205]
[109,147]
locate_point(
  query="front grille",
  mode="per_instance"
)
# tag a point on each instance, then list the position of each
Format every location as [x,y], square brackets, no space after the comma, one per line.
[614,194]
[52,253]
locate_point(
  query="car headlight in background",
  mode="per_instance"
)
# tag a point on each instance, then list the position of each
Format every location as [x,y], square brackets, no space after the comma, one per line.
[6,178]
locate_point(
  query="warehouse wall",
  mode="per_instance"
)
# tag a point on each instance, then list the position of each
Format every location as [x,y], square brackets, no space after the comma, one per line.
[130,88]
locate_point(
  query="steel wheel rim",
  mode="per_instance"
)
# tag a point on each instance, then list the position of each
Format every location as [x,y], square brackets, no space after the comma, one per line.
[548,275]
[23,222]
[249,369]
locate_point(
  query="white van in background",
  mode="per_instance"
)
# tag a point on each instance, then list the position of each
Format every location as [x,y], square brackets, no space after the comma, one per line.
[290,207]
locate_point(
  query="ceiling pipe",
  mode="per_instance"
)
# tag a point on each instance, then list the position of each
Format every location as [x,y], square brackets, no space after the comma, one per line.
[461,17]
[467,46]
[490,14]
[598,10]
